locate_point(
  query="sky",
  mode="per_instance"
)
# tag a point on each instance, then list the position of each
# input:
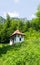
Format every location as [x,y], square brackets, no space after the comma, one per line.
[19,8]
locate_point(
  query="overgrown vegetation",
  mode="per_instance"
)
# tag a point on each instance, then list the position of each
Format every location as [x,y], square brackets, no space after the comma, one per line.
[25,53]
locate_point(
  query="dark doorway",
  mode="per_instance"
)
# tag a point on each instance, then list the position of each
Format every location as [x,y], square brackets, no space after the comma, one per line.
[20,39]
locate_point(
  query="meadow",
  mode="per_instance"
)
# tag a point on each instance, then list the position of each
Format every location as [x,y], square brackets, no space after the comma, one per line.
[25,53]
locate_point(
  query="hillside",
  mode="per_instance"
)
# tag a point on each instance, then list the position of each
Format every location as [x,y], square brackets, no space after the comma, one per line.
[17,19]
[26,53]
[2,20]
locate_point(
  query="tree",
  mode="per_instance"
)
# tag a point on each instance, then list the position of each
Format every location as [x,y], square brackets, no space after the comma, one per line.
[5,31]
[38,11]
[1,26]
[27,25]
[38,16]
[35,23]
[13,26]
[21,25]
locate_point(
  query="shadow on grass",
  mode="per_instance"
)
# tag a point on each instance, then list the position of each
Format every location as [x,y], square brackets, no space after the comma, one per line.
[4,49]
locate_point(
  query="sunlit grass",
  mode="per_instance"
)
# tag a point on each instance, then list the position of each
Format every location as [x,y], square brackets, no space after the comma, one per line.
[25,53]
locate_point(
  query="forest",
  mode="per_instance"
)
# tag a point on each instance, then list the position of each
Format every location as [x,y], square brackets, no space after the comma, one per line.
[11,24]
[26,53]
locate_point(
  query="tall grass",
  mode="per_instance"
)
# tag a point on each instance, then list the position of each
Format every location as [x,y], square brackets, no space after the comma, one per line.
[25,53]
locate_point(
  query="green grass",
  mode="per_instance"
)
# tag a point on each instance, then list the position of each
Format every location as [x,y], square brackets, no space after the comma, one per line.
[25,53]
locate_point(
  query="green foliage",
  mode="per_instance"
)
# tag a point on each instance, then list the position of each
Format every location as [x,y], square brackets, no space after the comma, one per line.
[38,11]
[21,26]
[12,24]
[25,53]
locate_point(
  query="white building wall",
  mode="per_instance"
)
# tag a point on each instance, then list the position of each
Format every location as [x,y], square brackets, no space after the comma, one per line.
[18,39]
[11,41]
[22,39]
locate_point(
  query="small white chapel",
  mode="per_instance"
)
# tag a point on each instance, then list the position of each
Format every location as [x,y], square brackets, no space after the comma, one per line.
[16,37]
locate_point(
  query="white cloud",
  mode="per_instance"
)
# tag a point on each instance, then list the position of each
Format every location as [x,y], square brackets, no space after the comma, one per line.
[16,1]
[14,14]
[31,16]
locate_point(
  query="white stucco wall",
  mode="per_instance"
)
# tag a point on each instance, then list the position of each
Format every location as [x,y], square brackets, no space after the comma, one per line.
[18,39]
[11,41]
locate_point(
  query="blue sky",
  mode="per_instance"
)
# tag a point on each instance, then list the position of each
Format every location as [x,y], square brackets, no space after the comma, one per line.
[19,8]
